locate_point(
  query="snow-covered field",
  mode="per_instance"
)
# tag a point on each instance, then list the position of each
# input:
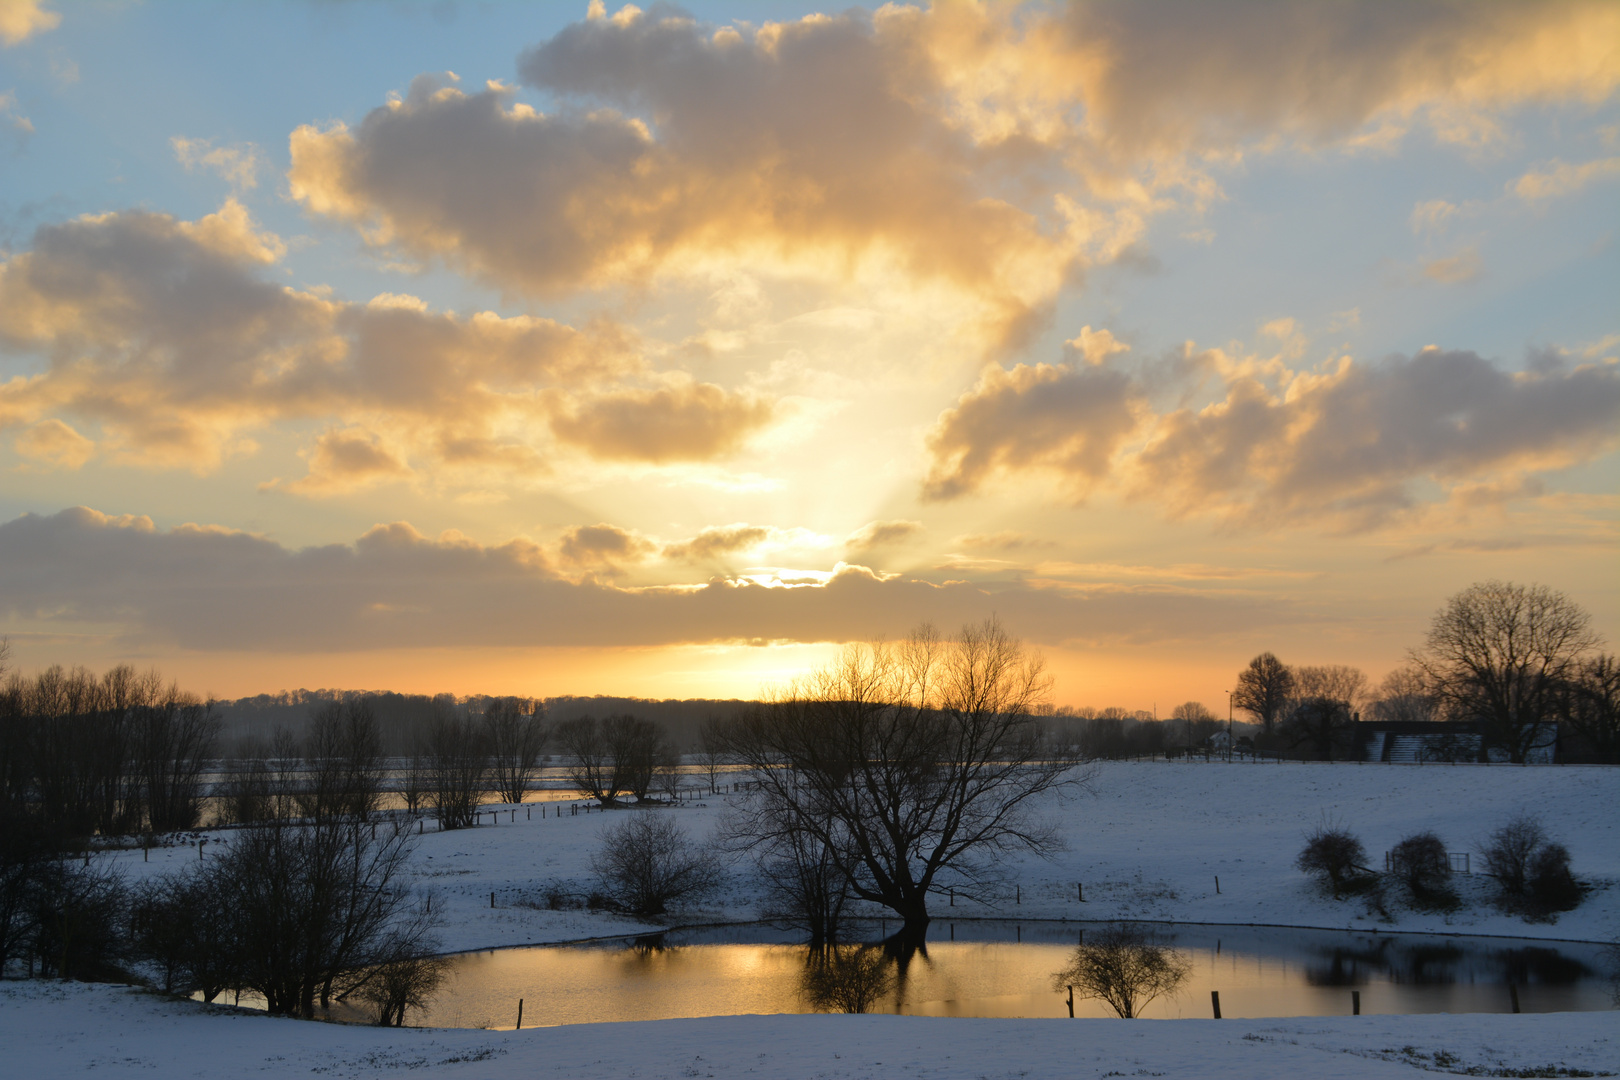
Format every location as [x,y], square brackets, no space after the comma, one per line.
[1145,840]
[50,1030]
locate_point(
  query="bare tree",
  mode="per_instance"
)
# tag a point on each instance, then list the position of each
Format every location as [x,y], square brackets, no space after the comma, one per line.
[646,862]
[913,765]
[1501,655]
[458,756]
[1125,967]
[1192,723]
[804,885]
[1264,688]
[611,758]
[317,907]
[343,762]
[517,736]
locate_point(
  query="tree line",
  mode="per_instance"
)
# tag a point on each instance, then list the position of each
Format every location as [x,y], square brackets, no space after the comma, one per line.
[1504,661]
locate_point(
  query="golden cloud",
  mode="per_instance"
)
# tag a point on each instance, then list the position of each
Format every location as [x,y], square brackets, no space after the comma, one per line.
[168,336]
[22,19]
[1067,420]
[992,149]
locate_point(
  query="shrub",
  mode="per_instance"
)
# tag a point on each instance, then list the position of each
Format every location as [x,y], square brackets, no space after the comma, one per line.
[1125,967]
[1552,886]
[646,862]
[1419,862]
[1531,871]
[850,980]
[1507,853]
[1332,853]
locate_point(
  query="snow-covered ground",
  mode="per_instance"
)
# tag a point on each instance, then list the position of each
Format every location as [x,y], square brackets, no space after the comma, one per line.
[49,1030]
[1145,840]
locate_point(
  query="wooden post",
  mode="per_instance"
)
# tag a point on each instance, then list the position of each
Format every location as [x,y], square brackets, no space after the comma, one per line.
[1217,884]
[1215,1000]
[1071,1003]
[200,844]
[1018,894]
[492,901]
[1513,995]
[1355,1003]
[520,1015]
[1080,892]
[419,827]
[953,898]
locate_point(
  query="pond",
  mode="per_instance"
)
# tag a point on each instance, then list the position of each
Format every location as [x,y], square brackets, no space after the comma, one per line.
[994,968]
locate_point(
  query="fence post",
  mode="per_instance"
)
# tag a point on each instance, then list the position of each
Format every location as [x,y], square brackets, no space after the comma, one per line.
[492,901]
[1018,894]
[1513,995]
[520,1015]
[1215,1000]
[1071,1003]
[1355,1003]
[1080,894]
[1217,884]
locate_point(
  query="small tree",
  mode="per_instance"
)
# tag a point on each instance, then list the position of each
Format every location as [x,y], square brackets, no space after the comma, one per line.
[849,979]
[711,750]
[1125,967]
[1332,853]
[647,862]
[395,985]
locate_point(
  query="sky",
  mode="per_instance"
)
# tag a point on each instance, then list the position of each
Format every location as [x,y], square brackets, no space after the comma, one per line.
[573,349]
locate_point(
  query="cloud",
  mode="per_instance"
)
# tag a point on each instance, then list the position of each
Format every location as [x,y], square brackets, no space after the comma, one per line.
[55,445]
[16,121]
[171,338]
[681,421]
[1561,178]
[881,534]
[22,19]
[211,589]
[238,165]
[343,461]
[1431,216]
[1454,269]
[1056,418]
[604,547]
[993,151]
[1352,448]
[717,541]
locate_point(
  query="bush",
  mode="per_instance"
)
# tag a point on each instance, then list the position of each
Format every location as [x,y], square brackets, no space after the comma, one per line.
[1420,863]
[1125,967]
[850,980]
[1508,851]
[647,862]
[1531,871]
[1552,886]
[1332,853]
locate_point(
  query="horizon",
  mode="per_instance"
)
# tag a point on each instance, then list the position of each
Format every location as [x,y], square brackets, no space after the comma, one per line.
[584,350]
